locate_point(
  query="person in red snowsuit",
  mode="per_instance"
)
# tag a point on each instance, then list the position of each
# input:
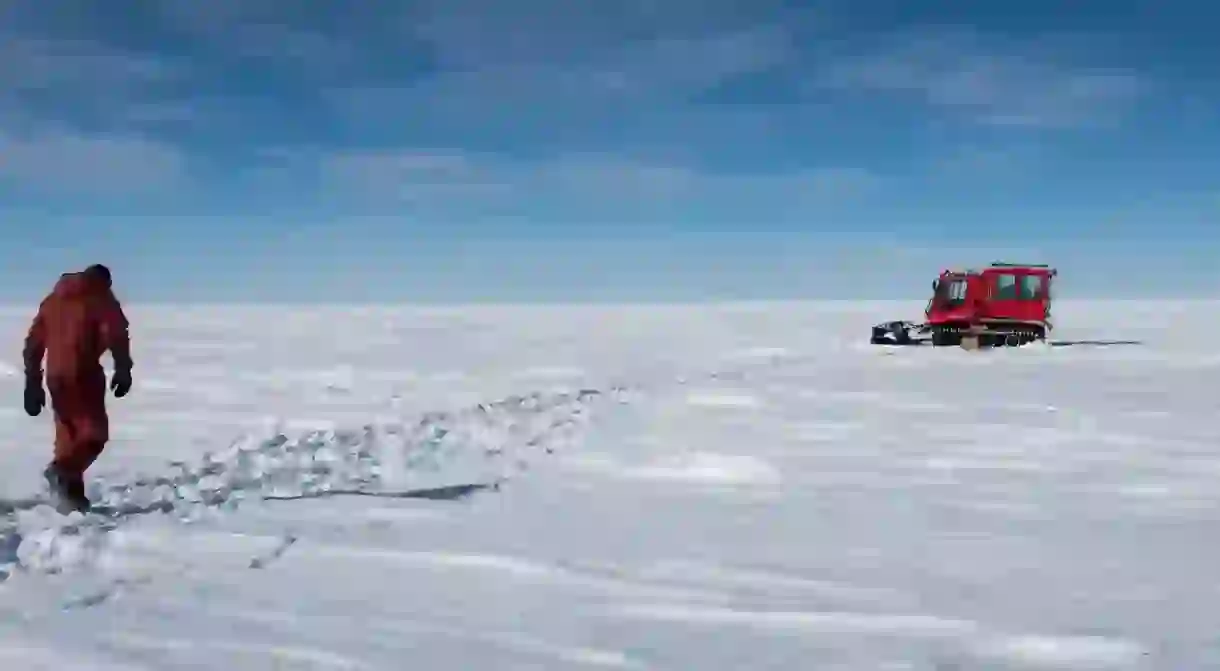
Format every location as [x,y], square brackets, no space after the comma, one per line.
[76,323]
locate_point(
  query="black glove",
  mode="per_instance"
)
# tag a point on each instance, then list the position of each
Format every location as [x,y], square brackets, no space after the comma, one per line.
[35,397]
[120,383]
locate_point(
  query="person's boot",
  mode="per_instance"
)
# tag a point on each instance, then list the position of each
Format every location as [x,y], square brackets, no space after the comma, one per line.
[68,494]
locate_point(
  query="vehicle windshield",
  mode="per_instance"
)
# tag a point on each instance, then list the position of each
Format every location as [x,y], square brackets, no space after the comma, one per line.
[951,291]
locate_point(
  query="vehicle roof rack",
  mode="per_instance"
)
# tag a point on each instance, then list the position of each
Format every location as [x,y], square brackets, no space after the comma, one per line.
[1002,264]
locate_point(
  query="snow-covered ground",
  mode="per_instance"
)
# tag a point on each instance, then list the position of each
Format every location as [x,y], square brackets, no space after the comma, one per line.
[685,488]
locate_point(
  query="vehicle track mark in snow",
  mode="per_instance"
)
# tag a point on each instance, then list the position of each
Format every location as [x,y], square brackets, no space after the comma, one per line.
[820,622]
[696,468]
[22,655]
[517,568]
[387,634]
[551,373]
[722,399]
[275,656]
[703,467]
[768,581]
[535,647]
[970,639]
[1065,652]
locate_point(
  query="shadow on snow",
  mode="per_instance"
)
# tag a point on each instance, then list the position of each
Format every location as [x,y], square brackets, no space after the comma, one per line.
[1095,343]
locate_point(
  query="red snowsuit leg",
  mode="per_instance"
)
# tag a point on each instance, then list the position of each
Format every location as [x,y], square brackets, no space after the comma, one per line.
[82,426]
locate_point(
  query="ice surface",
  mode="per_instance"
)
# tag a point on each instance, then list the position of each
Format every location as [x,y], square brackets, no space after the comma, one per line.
[712,487]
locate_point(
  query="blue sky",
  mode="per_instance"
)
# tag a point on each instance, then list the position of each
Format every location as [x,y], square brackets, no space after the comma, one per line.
[459,150]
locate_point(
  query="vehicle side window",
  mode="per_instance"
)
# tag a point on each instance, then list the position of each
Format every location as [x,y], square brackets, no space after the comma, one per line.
[1031,287]
[1006,287]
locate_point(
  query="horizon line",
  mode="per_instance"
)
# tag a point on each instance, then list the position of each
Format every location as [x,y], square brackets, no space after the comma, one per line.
[7,306]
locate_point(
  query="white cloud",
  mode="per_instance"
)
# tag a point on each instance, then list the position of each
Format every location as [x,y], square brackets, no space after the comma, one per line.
[65,162]
[548,75]
[34,61]
[398,178]
[991,81]
[266,35]
[60,79]
[59,100]
[475,35]
[626,79]
[590,185]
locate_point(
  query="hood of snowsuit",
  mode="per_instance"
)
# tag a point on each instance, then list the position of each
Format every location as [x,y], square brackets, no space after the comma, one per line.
[77,285]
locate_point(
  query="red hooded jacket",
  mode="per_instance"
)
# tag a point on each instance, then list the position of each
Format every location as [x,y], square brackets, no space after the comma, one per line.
[76,323]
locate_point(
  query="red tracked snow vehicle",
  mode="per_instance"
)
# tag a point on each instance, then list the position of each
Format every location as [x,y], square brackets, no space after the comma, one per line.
[1004,304]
